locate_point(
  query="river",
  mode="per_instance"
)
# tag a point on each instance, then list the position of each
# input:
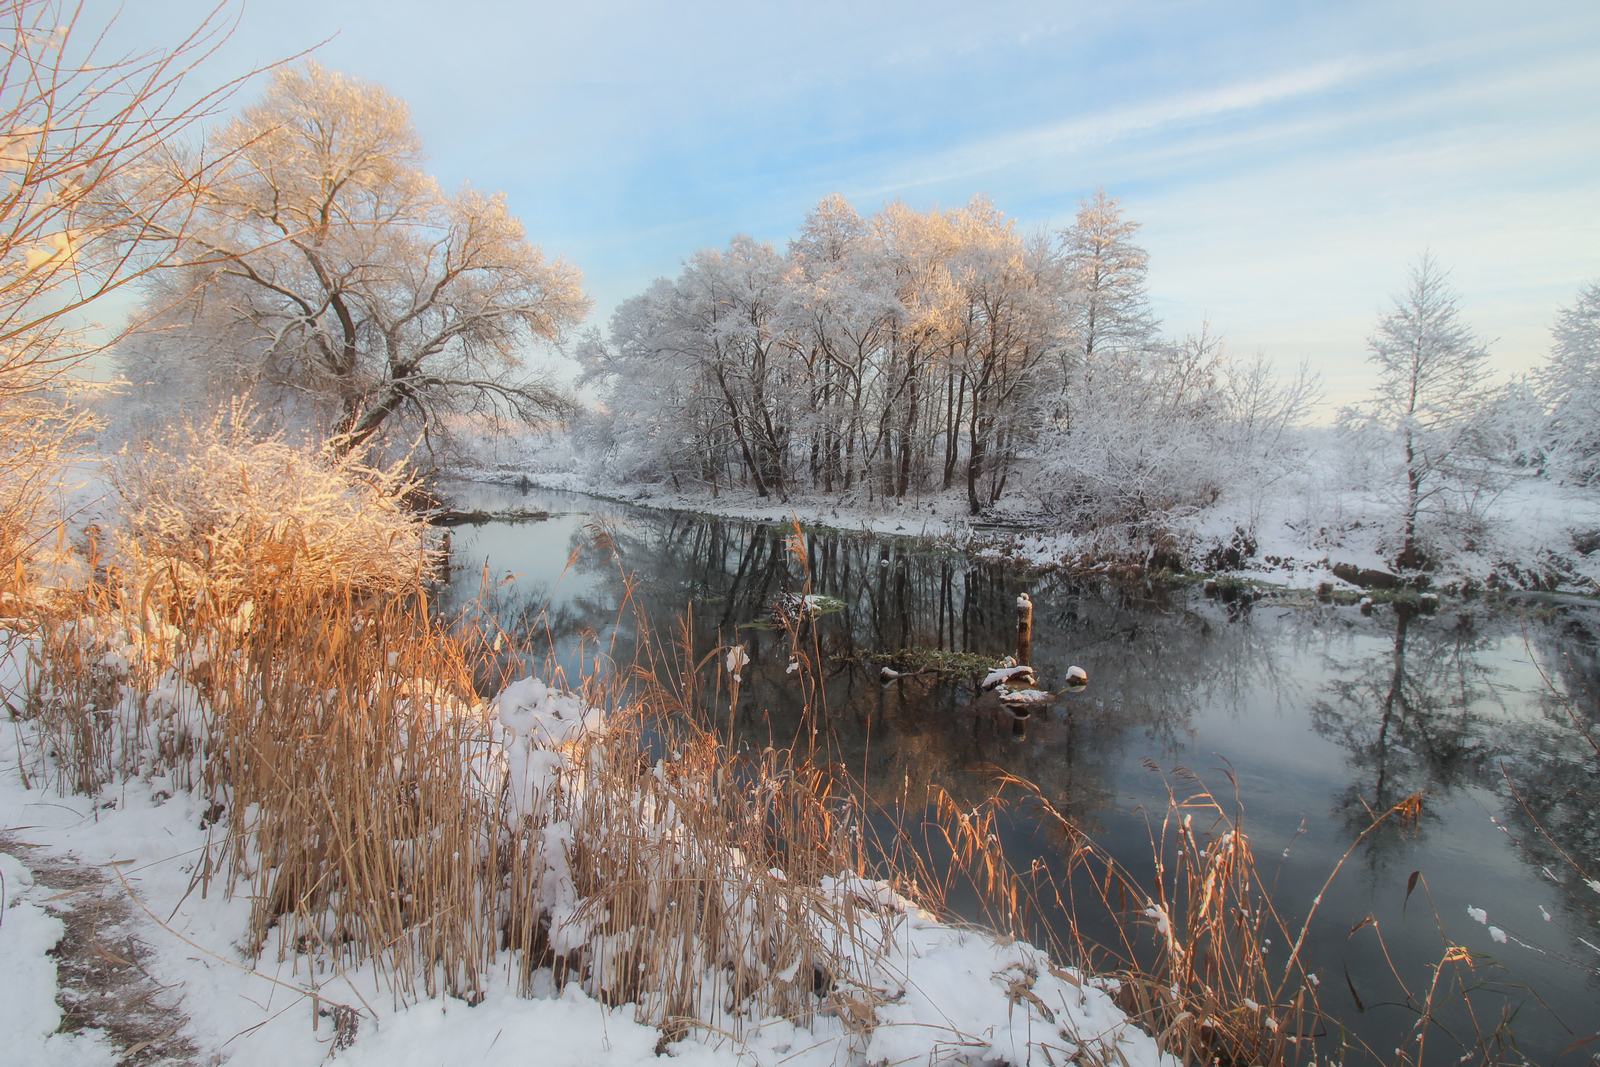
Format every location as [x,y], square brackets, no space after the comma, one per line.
[1305,714]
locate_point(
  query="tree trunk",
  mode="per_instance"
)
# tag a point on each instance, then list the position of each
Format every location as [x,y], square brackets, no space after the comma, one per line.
[1410,553]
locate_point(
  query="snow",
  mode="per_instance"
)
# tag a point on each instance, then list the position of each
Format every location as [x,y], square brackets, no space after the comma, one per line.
[1001,675]
[29,1014]
[1326,515]
[536,725]
[928,992]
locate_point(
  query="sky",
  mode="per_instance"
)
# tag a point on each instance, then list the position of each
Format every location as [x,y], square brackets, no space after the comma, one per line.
[1288,160]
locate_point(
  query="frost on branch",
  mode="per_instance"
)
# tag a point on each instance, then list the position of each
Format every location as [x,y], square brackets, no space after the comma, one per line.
[220,510]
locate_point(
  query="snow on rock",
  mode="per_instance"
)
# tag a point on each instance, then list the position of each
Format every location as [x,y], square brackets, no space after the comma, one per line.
[1002,675]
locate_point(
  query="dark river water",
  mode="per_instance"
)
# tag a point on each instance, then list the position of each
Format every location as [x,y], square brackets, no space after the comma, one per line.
[1317,712]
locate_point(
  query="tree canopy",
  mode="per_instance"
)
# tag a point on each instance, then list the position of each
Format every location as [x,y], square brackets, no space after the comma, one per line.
[326,264]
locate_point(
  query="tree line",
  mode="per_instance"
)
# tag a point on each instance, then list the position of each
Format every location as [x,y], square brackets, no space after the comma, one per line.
[908,352]
[301,257]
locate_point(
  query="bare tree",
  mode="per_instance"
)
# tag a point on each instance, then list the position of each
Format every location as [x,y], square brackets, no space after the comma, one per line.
[75,121]
[331,264]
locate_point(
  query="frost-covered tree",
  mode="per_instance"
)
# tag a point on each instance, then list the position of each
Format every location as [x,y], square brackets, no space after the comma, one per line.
[698,367]
[918,351]
[328,264]
[1147,445]
[1136,434]
[843,310]
[1107,270]
[1262,412]
[1570,386]
[1430,367]
[1013,326]
[875,353]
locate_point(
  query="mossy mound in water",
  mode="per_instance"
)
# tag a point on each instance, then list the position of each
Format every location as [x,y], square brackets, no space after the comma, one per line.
[792,608]
[937,659]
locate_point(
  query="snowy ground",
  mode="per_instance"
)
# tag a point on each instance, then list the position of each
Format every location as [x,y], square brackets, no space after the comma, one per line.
[939,994]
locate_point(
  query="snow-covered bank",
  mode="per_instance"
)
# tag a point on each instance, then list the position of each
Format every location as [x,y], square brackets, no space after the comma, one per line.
[1533,533]
[906,987]
[939,516]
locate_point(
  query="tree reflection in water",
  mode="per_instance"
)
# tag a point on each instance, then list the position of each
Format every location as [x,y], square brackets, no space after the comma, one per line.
[1431,715]
[1430,703]
[1412,720]
[922,731]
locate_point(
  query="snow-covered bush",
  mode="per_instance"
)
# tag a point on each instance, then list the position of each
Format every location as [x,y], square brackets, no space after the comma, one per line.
[1137,448]
[221,510]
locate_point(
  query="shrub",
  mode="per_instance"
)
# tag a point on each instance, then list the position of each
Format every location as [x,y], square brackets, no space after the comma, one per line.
[220,512]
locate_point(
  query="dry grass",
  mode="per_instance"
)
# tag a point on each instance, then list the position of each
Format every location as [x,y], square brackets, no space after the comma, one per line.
[222,512]
[370,818]
[371,802]
[379,812]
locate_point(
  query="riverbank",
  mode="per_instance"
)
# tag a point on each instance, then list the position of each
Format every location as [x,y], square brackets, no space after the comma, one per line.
[1532,535]
[586,913]
[940,517]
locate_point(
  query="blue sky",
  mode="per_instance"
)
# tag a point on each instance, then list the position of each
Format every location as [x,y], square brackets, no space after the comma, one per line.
[1287,160]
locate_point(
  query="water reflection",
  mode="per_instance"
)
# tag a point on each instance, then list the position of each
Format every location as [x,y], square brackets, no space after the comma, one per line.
[1414,717]
[1322,715]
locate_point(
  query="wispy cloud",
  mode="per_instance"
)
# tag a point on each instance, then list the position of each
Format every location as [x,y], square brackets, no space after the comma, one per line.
[1075,135]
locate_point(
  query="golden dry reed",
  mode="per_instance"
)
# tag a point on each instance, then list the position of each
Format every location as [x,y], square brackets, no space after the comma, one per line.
[357,783]
[361,790]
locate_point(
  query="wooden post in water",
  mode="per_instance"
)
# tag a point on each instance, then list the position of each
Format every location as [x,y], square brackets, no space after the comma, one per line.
[1024,630]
